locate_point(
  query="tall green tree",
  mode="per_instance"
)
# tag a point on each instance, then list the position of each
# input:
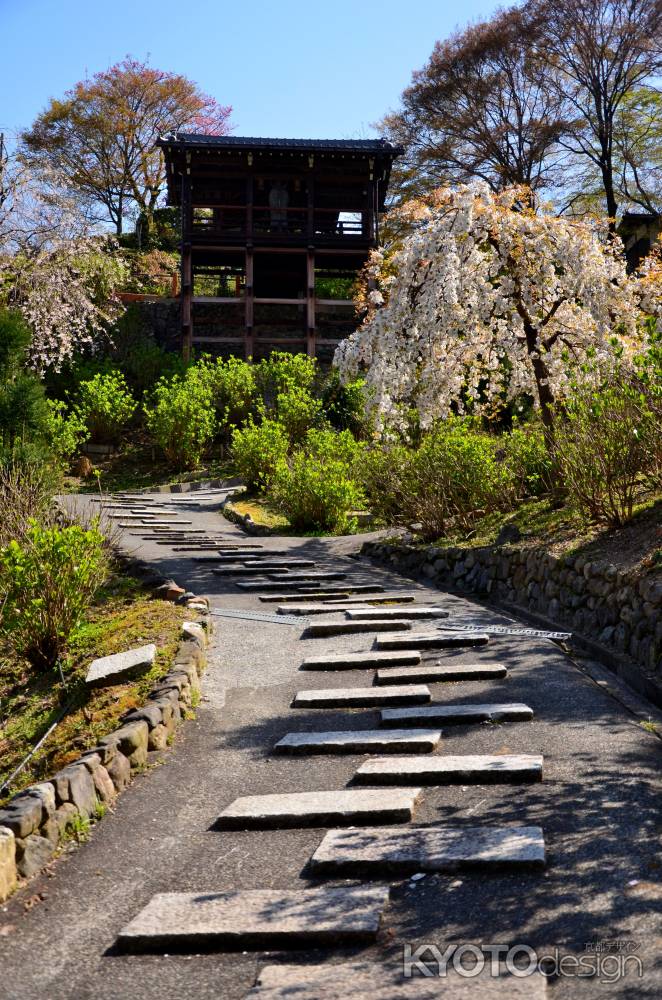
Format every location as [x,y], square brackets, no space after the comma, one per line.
[22,402]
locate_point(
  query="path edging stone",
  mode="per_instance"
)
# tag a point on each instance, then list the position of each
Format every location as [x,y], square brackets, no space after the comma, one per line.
[38,819]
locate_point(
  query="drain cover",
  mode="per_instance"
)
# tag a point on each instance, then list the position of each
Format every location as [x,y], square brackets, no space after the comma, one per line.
[261,616]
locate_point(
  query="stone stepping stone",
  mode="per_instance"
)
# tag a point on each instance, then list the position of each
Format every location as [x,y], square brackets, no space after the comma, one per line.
[382,599]
[340,807]
[120,667]
[361,741]
[459,714]
[369,614]
[255,919]
[429,849]
[246,569]
[450,769]
[315,592]
[427,673]
[361,980]
[273,583]
[361,661]
[436,640]
[326,574]
[366,697]
[164,524]
[318,629]
[309,609]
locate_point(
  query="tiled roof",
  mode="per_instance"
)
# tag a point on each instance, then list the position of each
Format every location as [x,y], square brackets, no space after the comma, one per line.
[254,142]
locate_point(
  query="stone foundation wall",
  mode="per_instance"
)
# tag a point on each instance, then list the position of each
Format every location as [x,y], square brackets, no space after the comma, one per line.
[39,818]
[620,611]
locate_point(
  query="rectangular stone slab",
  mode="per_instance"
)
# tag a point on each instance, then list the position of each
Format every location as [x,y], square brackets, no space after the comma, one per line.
[360,741]
[327,574]
[236,570]
[429,849]
[428,673]
[436,640]
[307,609]
[430,714]
[120,667]
[361,661]
[299,596]
[341,807]
[255,918]
[381,599]
[367,614]
[448,769]
[367,981]
[366,697]
[318,629]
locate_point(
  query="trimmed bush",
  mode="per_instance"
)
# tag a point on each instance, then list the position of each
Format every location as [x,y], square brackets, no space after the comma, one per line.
[257,450]
[65,430]
[527,457]
[384,474]
[609,450]
[455,479]
[316,494]
[106,405]
[47,582]
[298,412]
[344,405]
[180,417]
[231,382]
[281,372]
[316,487]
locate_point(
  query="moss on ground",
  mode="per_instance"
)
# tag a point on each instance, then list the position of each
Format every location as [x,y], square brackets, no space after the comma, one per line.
[123,616]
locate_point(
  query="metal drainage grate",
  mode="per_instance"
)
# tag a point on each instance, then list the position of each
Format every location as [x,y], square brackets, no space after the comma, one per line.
[505,630]
[261,616]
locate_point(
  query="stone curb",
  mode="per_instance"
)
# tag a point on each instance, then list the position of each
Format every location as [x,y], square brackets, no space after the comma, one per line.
[245,521]
[38,819]
[616,617]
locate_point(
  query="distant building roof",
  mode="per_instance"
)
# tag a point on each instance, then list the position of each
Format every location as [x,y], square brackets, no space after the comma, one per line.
[375,146]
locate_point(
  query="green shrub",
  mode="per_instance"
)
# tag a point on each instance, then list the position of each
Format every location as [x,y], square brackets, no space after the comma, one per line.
[527,457]
[609,450]
[384,473]
[26,493]
[327,444]
[454,478]
[316,493]
[106,405]
[231,382]
[65,430]
[257,450]
[22,405]
[281,372]
[47,582]
[344,405]
[298,411]
[180,417]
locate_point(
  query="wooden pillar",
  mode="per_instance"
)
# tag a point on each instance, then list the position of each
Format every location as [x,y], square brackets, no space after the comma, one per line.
[187,267]
[310,303]
[311,198]
[369,223]
[249,344]
[250,197]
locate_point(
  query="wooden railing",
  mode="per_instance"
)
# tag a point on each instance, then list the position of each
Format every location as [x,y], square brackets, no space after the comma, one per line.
[248,220]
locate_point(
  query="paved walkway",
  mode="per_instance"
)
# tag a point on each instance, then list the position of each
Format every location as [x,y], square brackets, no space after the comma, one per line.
[597,805]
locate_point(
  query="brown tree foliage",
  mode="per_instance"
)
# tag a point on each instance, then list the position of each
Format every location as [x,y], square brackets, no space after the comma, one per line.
[597,55]
[481,109]
[101,136]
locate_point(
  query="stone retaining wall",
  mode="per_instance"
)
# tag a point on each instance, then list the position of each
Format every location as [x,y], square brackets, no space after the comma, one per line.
[39,818]
[620,611]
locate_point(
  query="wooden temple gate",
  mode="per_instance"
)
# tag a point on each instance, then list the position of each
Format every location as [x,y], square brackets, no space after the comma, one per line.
[274,232]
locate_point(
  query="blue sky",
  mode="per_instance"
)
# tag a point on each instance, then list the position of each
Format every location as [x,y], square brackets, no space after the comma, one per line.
[288,67]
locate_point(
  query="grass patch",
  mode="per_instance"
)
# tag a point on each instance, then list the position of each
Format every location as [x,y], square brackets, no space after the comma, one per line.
[262,513]
[123,616]
[563,531]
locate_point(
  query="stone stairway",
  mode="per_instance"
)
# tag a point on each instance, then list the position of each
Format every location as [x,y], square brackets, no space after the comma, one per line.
[383,789]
